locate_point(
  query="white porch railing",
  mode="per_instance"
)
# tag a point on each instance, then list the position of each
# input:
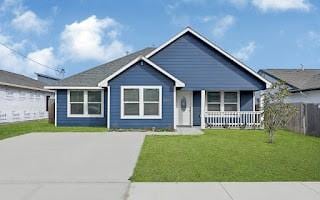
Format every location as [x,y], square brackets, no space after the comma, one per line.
[240,119]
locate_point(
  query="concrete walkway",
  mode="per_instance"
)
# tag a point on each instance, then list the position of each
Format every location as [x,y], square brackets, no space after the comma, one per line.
[72,166]
[225,191]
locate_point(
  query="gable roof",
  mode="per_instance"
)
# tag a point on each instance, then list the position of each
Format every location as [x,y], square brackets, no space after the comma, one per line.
[298,79]
[20,81]
[214,46]
[178,83]
[93,76]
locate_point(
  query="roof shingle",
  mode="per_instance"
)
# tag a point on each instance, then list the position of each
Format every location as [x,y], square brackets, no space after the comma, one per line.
[19,80]
[305,79]
[93,76]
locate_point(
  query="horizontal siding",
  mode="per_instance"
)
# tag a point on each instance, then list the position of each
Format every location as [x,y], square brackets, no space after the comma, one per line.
[201,67]
[196,108]
[64,120]
[246,100]
[141,75]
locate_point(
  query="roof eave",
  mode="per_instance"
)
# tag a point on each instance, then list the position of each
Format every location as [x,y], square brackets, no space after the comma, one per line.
[214,46]
[105,82]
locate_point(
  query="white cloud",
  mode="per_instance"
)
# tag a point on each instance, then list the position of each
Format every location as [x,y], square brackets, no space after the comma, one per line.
[28,21]
[239,3]
[245,52]
[207,18]
[223,25]
[92,39]
[275,5]
[314,37]
[15,63]
[282,5]
[12,6]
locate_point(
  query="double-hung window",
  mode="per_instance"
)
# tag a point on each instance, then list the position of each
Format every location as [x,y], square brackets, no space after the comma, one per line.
[230,101]
[141,102]
[223,101]
[214,101]
[85,103]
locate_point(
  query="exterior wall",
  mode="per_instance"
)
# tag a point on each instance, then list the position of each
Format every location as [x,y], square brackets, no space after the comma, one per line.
[246,100]
[64,120]
[18,104]
[141,75]
[304,97]
[201,67]
[196,108]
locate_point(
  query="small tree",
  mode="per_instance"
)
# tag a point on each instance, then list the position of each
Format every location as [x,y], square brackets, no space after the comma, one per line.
[277,113]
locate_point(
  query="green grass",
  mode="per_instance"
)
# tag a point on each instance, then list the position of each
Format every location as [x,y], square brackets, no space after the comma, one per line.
[229,155]
[19,128]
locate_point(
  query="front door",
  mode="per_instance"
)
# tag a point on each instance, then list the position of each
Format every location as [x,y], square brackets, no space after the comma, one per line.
[184,108]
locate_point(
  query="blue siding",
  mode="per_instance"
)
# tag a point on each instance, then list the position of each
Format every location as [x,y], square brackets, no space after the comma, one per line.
[141,75]
[201,67]
[196,108]
[246,100]
[63,120]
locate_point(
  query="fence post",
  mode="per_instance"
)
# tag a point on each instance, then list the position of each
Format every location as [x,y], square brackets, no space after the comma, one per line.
[203,100]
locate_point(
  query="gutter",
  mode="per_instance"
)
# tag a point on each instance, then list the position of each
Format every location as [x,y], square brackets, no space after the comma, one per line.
[25,87]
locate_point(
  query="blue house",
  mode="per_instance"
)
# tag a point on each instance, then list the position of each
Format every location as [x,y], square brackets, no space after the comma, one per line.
[187,81]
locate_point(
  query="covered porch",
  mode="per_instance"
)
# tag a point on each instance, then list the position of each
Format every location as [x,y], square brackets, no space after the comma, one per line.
[217,109]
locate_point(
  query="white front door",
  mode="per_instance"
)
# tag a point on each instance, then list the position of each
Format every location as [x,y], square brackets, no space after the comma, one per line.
[184,108]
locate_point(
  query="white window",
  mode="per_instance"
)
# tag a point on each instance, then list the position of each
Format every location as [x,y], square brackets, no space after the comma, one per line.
[230,101]
[223,101]
[85,103]
[214,101]
[141,102]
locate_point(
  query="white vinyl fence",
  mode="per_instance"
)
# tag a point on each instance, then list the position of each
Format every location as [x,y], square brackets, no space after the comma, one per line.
[240,119]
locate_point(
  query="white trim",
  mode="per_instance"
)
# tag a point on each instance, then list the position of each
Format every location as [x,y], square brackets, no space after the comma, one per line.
[191,109]
[188,29]
[55,108]
[203,102]
[71,88]
[141,102]
[25,87]
[222,101]
[175,107]
[104,83]
[108,107]
[254,101]
[85,105]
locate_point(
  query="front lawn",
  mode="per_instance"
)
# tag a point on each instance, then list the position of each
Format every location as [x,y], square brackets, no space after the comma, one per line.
[19,128]
[229,155]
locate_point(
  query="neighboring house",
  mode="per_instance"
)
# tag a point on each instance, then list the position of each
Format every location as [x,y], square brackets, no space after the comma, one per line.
[187,81]
[22,98]
[45,79]
[304,84]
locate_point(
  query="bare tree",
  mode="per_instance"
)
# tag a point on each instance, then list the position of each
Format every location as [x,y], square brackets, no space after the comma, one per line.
[277,113]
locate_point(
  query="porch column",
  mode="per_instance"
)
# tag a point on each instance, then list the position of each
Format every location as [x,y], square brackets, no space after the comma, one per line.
[203,101]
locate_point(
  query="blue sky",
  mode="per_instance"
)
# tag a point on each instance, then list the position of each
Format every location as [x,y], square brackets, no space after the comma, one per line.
[82,34]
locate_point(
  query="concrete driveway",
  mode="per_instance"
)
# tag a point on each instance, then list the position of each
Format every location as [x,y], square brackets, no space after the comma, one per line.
[56,166]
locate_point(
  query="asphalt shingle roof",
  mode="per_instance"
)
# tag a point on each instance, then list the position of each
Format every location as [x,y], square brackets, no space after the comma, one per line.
[93,76]
[305,79]
[19,80]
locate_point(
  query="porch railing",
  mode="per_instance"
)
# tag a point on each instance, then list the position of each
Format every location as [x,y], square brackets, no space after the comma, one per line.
[240,119]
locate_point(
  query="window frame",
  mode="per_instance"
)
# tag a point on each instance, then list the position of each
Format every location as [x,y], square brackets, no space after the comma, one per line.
[85,105]
[222,102]
[141,102]
[231,103]
[213,103]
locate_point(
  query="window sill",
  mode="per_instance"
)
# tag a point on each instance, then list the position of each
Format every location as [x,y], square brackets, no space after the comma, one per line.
[85,116]
[141,117]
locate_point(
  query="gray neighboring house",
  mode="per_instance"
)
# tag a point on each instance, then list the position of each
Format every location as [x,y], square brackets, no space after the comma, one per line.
[22,98]
[304,84]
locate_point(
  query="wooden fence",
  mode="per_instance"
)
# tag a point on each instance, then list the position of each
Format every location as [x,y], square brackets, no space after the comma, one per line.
[306,120]
[51,111]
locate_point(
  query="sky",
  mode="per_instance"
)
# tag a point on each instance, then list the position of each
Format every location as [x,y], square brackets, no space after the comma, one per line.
[78,35]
